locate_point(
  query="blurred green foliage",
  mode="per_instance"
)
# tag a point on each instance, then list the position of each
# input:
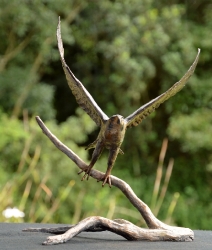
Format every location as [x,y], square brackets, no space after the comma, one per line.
[125,53]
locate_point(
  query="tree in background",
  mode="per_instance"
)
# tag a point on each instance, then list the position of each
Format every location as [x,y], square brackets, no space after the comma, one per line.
[125,53]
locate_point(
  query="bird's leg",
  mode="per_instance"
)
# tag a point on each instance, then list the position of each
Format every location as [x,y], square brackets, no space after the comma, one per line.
[96,154]
[113,152]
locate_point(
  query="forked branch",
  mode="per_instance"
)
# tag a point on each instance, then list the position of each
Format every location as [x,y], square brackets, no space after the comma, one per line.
[157,230]
[118,226]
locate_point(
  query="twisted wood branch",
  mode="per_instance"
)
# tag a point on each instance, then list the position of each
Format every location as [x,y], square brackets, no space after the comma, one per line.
[158,231]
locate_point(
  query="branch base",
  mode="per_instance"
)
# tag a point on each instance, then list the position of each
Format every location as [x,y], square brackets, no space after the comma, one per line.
[119,226]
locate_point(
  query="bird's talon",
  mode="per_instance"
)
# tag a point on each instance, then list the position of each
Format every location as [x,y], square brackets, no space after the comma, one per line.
[86,175]
[83,178]
[106,180]
[80,172]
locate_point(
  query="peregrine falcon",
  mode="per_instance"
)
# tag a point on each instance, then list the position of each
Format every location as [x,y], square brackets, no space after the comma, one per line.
[112,130]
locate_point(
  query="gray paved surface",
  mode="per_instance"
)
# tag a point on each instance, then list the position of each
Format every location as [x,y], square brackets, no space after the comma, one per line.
[12,238]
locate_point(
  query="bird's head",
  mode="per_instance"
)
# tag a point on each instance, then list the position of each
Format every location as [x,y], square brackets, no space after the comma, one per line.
[119,119]
[118,122]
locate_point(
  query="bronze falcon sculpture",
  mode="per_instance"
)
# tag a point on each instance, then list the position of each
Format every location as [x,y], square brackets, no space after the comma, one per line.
[112,130]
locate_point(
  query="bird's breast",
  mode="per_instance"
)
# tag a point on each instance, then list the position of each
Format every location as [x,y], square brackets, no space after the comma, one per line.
[114,134]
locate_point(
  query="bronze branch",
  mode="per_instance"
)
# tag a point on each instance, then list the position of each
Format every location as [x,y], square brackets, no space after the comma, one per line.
[157,230]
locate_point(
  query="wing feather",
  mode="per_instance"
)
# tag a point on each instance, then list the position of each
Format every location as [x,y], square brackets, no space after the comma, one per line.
[83,97]
[135,118]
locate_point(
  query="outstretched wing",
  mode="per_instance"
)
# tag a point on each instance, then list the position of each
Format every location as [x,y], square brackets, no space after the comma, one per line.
[136,118]
[83,98]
